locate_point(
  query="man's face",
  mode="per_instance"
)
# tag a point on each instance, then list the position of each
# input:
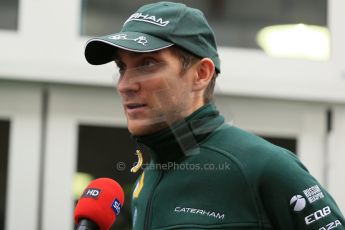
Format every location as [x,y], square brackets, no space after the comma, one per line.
[154,92]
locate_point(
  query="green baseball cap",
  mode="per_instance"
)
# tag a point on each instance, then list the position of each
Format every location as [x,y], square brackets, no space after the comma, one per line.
[154,27]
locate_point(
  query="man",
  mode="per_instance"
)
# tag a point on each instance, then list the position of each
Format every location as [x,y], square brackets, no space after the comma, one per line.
[204,174]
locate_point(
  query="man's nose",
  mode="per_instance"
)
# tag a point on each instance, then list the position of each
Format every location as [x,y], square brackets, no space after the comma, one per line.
[128,83]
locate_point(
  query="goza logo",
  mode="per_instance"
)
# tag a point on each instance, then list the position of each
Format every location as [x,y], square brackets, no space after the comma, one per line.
[91,193]
[116,206]
[331,225]
[298,202]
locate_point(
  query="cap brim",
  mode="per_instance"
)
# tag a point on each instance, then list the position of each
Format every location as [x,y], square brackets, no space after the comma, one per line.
[101,50]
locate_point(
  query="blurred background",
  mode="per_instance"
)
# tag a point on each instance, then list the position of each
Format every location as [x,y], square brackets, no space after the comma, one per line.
[61,121]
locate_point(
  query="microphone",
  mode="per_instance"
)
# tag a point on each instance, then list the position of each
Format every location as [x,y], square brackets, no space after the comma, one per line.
[99,205]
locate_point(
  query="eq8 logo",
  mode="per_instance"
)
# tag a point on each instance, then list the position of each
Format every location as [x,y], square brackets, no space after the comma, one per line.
[91,193]
[319,214]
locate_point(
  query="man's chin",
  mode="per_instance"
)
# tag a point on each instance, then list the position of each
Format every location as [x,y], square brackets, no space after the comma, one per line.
[145,127]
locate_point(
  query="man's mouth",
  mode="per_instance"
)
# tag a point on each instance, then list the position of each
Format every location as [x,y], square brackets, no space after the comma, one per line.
[135,106]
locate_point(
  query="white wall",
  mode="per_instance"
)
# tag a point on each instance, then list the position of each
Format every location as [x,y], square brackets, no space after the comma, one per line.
[336,158]
[21,105]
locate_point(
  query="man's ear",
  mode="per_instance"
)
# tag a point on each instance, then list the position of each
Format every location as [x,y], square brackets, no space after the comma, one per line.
[204,73]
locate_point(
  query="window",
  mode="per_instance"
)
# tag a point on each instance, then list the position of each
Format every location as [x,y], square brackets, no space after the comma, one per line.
[108,152]
[4,139]
[9,14]
[236,22]
[101,17]
[287,143]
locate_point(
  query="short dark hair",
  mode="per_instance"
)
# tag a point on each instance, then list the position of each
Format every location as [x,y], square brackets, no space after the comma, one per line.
[187,59]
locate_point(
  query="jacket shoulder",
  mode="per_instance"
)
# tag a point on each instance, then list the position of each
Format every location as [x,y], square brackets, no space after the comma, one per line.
[246,148]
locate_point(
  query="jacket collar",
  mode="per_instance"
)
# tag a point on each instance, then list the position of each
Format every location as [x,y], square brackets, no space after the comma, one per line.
[183,137]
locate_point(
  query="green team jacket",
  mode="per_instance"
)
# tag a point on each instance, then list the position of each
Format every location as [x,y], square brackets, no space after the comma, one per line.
[205,174]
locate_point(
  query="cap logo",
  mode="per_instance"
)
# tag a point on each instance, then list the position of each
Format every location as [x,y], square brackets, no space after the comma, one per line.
[140,40]
[147,18]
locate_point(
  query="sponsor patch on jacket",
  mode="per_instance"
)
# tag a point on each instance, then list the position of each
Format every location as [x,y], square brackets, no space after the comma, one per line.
[201,212]
[313,193]
[298,203]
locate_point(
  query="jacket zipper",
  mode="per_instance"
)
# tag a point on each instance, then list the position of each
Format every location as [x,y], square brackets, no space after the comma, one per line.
[149,203]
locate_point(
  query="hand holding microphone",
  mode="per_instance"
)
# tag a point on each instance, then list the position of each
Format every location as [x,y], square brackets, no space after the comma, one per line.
[99,205]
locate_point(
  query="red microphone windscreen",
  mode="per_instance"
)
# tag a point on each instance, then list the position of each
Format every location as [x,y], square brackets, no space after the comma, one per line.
[101,203]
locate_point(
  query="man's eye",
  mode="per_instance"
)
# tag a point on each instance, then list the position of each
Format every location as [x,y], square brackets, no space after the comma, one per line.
[149,63]
[149,66]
